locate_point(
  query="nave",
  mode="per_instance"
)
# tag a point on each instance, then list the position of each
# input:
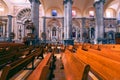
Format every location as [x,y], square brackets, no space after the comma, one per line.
[59,62]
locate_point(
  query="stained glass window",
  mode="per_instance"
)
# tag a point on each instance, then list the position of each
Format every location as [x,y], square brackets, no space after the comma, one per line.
[91,13]
[74,13]
[54,12]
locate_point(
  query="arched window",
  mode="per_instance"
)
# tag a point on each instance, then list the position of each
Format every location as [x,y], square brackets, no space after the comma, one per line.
[110,13]
[91,13]
[1,10]
[54,12]
[74,13]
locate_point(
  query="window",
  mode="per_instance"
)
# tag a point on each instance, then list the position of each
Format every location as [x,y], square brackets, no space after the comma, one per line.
[91,14]
[110,13]
[54,12]
[74,13]
[1,9]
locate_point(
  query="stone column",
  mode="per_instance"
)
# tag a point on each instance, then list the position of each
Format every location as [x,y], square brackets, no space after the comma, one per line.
[67,19]
[9,27]
[83,29]
[35,16]
[3,29]
[44,24]
[99,28]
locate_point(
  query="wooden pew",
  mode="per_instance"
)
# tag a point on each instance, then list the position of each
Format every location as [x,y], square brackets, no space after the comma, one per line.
[107,68]
[74,69]
[12,68]
[114,55]
[42,71]
[12,55]
[39,52]
[106,54]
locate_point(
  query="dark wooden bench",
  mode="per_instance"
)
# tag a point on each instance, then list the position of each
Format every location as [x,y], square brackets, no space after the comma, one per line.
[42,71]
[74,69]
[11,69]
[11,55]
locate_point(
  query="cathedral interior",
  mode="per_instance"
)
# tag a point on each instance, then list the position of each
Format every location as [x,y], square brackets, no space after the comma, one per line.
[60,39]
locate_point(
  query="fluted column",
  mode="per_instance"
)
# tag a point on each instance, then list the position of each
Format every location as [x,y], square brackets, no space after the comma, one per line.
[9,27]
[99,28]
[68,19]
[35,15]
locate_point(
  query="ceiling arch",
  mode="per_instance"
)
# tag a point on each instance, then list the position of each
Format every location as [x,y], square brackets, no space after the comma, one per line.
[5,8]
[80,4]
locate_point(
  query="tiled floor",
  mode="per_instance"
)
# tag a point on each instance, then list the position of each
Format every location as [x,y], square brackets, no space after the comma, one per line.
[58,72]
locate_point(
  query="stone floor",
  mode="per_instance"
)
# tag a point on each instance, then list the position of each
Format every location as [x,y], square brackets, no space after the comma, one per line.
[58,72]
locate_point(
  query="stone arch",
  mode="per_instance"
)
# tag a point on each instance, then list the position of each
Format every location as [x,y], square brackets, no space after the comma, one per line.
[5,7]
[54,29]
[24,14]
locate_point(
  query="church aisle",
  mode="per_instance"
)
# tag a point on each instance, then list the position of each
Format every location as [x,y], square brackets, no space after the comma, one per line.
[58,72]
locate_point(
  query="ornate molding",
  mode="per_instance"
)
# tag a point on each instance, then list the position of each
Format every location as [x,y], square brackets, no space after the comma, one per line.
[10,16]
[37,1]
[98,2]
[65,1]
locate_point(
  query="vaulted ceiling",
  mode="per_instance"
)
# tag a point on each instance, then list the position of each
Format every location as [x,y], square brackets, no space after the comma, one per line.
[82,5]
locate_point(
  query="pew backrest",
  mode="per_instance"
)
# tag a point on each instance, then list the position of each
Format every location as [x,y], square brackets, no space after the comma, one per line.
[42,71]
[74,69]
[11,69]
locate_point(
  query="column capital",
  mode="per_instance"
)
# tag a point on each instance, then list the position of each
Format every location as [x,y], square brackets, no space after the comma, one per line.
[10,16]
[83,18]
[37,1]
[98,2]
[65,1]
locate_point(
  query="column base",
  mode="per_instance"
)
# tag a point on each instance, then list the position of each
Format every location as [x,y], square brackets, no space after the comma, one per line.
[100,41]
[69,42]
